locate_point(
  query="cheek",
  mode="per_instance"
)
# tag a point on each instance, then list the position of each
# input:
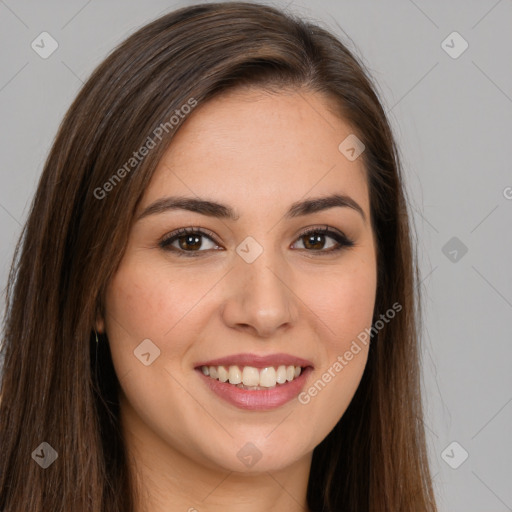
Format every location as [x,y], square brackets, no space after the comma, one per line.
[145,302]
[355,305]
[345,309]
[344,304]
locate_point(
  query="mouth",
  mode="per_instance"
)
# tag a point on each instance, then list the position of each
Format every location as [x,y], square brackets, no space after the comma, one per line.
[256,383]
[251,378]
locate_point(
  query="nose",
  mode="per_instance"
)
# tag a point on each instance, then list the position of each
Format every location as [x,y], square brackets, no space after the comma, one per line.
[260,298]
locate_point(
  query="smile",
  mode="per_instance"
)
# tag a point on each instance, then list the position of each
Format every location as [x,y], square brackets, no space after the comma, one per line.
[251,378]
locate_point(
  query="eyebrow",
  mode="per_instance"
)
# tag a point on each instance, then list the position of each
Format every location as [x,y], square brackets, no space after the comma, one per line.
[221,211]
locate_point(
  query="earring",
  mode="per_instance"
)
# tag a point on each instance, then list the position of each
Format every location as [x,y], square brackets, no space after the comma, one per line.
[97,341]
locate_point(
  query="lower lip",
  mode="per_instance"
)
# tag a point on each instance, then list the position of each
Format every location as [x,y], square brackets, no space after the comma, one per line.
[257,400]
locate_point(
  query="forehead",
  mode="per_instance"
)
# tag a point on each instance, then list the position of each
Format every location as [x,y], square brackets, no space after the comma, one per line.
[256,150]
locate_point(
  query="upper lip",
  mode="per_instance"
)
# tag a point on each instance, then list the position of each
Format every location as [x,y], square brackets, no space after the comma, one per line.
[257,361]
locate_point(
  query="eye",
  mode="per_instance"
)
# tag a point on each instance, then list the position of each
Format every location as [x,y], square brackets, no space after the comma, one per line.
[314,240]
[187,241]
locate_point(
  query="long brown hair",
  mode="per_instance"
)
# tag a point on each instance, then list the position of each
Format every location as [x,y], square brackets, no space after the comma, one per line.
[59,387]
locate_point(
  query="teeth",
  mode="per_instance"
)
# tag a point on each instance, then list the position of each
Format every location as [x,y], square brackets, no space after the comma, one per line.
[222,374]
[249,377]
[268,377]
[235,375]
[281,375]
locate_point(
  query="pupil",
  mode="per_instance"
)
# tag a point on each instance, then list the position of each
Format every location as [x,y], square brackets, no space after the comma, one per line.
[190,240]
[315,240]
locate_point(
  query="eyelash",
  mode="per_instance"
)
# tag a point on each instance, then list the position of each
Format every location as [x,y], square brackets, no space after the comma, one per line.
[165,244]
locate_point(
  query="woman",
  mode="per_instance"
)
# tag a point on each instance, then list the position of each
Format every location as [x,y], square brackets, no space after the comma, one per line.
[213,302]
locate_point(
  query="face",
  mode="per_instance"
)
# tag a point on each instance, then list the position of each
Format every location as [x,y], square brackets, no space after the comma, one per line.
[268,291]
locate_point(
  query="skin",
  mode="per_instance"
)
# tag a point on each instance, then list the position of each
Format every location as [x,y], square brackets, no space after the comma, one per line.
[257,152]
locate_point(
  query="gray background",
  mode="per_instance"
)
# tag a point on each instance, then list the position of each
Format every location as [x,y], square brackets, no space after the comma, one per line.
[452,118]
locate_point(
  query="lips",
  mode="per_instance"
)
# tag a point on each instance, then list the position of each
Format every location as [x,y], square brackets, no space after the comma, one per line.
[253,382]
[257,361]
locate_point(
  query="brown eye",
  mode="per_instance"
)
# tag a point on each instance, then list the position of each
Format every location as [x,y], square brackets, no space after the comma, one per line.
[187,241]
[190,242]
[315,239]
